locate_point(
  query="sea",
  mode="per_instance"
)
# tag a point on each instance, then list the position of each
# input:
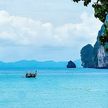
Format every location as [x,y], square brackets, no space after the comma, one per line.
[54,88]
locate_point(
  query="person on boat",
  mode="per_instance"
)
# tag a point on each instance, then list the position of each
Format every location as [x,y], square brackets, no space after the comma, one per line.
[31,75]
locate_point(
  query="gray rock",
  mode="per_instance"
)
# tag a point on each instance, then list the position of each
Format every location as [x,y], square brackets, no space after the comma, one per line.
[87,56]
[97,56]
[71,64]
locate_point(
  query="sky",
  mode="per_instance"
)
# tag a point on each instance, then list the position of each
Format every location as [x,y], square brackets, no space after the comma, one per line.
[45,29]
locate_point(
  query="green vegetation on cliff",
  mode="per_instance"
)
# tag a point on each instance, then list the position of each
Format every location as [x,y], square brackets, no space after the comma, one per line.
[97,56]
[100,8]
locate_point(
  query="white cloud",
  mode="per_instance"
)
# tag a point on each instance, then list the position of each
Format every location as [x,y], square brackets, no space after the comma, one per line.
[21,37]
[25,31]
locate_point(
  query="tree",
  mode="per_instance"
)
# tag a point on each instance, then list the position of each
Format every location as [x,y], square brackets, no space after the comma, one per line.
[100,8]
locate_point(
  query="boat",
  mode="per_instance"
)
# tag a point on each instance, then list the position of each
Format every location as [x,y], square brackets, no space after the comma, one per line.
[31,75]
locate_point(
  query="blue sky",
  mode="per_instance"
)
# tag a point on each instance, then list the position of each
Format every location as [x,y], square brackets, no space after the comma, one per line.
[45,29]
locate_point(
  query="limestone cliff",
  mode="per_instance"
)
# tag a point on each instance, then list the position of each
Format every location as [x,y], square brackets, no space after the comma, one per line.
[97,56]
[87,56]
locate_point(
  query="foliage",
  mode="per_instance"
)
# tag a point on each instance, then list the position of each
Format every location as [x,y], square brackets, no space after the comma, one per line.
[100,8]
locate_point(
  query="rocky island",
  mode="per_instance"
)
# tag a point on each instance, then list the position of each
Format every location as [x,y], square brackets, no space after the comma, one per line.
[97,56]
[71,64]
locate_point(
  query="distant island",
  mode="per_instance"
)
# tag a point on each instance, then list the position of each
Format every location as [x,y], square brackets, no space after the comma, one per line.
[71,64]
[33,64]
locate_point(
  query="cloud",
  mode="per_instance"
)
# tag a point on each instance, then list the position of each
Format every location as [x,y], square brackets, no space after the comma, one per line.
[23,31]
[21,37]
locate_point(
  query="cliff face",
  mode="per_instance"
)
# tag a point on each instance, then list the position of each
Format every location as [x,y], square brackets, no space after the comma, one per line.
[87,56]
[97,56]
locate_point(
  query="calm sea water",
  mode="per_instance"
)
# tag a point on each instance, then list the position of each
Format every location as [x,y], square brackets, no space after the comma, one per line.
[75,88]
